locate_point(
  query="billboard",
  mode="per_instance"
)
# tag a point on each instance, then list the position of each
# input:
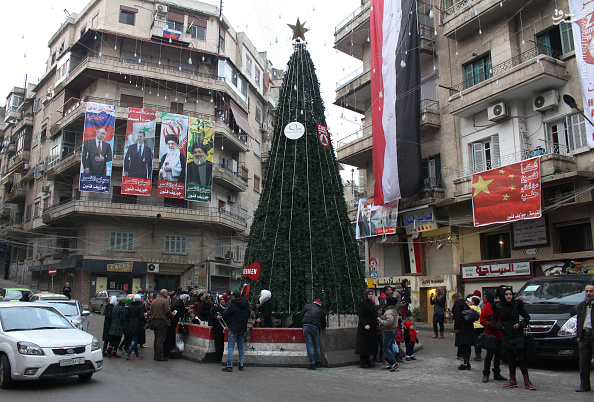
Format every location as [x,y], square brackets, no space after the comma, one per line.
[200,160]
[172,155]
[138,155]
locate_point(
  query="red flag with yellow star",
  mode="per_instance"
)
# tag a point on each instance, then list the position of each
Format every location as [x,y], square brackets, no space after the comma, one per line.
[507,194]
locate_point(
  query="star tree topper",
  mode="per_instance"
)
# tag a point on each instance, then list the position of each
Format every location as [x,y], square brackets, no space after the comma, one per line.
[298,30]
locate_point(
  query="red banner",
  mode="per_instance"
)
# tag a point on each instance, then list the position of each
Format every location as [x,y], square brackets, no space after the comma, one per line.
[506,194]
[138,157]
[323,136]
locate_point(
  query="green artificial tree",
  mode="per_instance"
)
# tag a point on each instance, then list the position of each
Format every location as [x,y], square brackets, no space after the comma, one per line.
[301,234]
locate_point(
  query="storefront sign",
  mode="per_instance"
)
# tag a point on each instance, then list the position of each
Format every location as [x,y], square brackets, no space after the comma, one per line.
[419,220]
[120,267]
[428,283]
[530,233]
[496,270]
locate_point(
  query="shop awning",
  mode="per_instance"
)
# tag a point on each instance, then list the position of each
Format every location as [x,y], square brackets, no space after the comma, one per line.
[71,261]
[241,118]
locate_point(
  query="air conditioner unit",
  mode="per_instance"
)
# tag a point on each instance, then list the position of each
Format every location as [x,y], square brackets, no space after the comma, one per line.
[231,198]
[152,268]
[25,166]
[45,189]
[162,9]
[497,112]
[546,101]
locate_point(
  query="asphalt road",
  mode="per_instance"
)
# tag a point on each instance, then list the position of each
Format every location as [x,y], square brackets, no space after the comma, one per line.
[434,376]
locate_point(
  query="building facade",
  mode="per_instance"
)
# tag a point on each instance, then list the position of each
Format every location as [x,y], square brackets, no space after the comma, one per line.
[182,58]
[493,78]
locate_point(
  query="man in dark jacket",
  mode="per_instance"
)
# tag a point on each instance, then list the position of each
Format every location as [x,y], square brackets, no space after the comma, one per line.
[161,315]
[313,320]
[585,338]
[236,316]
[217,326]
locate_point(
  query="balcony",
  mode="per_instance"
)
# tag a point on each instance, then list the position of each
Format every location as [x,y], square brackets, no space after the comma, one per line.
[351,34]
[427,36]
[354,90]
[18,193]
[520,77]
[66,164]
[462,18]
[557,162]
[430,116]
[21,156]
[222,219]
[355,149]
[228,179]
[27,120]
[231,140]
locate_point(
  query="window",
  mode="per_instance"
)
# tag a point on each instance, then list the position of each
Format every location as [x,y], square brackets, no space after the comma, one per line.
[484,154]
[566,135]
[53,58]
[257,183]
[237,253]
[127,17]
[37,209]
[61,49]
[478,71]
[35,139]
[220,249]
[28,213]
[121,241]
[248,65]
[95,21]
[559,195]
[175,244]
[244,173]
[175,25]
[39,248]
[37,105]
[432,171]
[198,32]
[556,41]
[258,113]
[177,107]
[257,76]
[244,87]
[495,246]
[574,237]
[222,39]
[46,203]
[257,147]
[49,246]
[29,250]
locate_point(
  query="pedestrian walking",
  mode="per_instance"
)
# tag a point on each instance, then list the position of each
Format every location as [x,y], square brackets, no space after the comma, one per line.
[463,330]
[160,321]
[514,319]
[366,330]
[585,338]
[438,300]
[490,330]
[236,316]
[313,321]
[410,339]
[389,326]
[478,329]
[107,325]
[118,322]
[135,319]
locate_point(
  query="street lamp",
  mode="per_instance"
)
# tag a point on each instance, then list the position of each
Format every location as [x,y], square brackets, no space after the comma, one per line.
[570,101]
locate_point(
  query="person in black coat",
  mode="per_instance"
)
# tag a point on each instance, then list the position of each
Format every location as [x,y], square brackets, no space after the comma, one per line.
[366,330]
[464,330]
[217,327]
[585,338]
[96,153]
[236,316]
[107,324]
[406,300]
[514,319]
[138,161]
[135,319]
[180,315]
[205,306]
[313,321]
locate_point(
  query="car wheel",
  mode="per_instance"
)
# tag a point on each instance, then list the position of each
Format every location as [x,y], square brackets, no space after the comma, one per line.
[85,377]
[5,377]
[103,309]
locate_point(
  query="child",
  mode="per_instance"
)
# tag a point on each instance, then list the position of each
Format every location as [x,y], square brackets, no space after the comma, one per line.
[410,338]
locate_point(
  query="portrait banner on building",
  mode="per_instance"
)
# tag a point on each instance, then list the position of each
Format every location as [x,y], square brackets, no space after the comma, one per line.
[172,155]
[507,194]
[97,155]
[376,220]
[138,154]
[582,16]
[200,157]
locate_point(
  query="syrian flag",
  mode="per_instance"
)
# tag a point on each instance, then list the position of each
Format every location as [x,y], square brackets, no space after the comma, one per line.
[395,94]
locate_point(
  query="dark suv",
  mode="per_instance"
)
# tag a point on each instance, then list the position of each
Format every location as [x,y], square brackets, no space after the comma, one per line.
[552,303]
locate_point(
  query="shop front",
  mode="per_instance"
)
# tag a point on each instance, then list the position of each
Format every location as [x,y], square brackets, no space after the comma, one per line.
[119,275]
[488,275]
[223,277]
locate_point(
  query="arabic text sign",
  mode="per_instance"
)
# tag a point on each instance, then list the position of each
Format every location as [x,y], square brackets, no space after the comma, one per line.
[419,220]
[518,268]
[529,233]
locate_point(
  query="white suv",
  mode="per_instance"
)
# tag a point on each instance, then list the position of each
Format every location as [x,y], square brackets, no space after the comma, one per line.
[36,341]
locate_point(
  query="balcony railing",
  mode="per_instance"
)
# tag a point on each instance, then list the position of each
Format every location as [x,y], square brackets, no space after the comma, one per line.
[451,7]
[426,31]
[359,10]
[547,148]
[504,67]
[352,75]
[360,133]
[430,104]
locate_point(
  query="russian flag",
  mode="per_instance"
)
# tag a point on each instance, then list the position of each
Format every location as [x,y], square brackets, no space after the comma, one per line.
[395,95]
[171,33]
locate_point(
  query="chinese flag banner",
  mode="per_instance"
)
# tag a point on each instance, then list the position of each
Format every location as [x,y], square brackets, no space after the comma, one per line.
[507,194]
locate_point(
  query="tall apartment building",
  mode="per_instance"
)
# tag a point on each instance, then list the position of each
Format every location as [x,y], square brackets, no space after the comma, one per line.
[493,78]
[119,53]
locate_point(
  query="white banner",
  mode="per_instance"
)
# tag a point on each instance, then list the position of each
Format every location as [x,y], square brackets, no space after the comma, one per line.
[495,270]
[582,16]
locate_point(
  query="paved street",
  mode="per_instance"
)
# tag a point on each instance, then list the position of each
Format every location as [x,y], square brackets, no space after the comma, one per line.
[433,376]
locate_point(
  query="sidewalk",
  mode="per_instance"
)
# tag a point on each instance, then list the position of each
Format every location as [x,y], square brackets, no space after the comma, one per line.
[6,283]
[426,326]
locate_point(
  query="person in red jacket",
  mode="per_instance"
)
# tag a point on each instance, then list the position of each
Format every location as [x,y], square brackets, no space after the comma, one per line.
[486,314]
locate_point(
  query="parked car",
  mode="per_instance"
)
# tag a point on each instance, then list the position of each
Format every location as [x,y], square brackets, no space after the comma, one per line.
[48,296]
[552,303]
[71,309]
[13,293]
[37,342]
[99,301]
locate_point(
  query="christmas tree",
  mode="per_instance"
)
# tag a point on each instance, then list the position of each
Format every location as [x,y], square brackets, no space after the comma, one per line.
[301,234]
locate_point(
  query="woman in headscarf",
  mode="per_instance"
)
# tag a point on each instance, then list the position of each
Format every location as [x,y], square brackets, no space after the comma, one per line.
[107,325]
[118,322]
[135,319]
[366,330]
[486,321]
[205,307]
[511,318]
[464,330]
[264,309]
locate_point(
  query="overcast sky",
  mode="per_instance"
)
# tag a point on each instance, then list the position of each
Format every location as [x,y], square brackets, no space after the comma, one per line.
[264,21]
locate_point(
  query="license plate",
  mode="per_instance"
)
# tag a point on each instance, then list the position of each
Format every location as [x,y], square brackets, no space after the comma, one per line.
[72,362]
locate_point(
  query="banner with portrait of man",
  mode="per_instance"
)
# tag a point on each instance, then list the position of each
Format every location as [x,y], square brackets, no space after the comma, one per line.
[376,220]
[200,157]
[172,155]
[97,155]
[137,171]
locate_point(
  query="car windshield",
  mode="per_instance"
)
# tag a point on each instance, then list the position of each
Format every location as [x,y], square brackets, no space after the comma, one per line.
[28,318]
[117,293]
[68,309]
[13,294]
[558,291]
